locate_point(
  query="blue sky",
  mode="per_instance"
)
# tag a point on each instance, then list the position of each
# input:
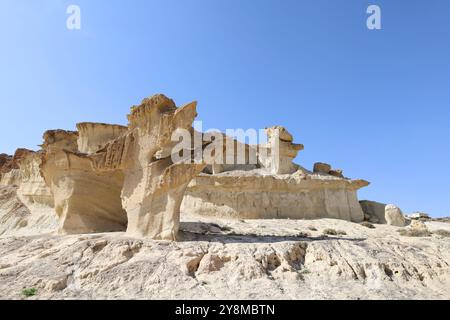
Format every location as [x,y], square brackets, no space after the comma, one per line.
[374,103]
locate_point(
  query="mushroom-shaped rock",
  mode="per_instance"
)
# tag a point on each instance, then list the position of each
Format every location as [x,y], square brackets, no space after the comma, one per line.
[153,184]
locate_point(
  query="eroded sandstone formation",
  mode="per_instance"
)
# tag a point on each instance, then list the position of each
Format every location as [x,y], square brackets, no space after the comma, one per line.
[32,188]
[153,185]
[257,196]
[105,177]
[27,202]
[93,136]
[85,200]
[373,211]
[9,167]
[4,159]
[275,188]
[10,178]
[8,163]
[280,151]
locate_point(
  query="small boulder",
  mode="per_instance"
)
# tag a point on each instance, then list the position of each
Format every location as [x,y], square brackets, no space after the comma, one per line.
[210,263]
[336,173]
[419,225]
[373,211]
[394,216]
[321,167]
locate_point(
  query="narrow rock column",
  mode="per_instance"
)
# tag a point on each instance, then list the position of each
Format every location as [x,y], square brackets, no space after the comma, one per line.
[154,186]
[277,156]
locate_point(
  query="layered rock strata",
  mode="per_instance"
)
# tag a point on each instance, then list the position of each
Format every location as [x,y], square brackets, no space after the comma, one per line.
[93,136]
[112,178]
[277,155]
[255,195]
[9,167]
[275,188]
[85,200]
[32,188]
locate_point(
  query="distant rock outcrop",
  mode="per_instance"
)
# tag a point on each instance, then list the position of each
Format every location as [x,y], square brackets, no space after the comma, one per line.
[32,187]
[9,167]
[373,211]
[8,163]
[4,159]
[394,216]
[275,188]
[17,218]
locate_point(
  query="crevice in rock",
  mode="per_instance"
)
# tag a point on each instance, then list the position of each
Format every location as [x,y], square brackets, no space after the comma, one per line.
[387,271]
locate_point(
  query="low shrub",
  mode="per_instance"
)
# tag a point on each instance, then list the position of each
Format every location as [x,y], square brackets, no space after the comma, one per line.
[414,232]
[29,292]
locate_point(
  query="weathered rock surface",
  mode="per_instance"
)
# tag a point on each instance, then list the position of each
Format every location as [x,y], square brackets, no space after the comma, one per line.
[153,185]
[8,163]
[415,224]
[394,216]
[320,167]
[93,136]
[280,151]
[374,211]
[275,188]
[92,175]
[253,259]
[4,159]
[85,200]
[255,195]
[32,188]
[337,173]
[10,178]
[108,177]
[9,167]
[18,219]
[325,168]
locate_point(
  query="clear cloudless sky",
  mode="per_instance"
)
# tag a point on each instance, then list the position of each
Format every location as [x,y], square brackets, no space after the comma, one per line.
[374,103]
